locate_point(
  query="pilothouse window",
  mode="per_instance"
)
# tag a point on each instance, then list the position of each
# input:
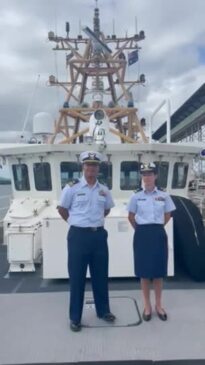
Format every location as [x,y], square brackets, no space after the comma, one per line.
[42,176]
[72,170]
[162,173]
[69,171]
[180,175]
[21,179]
[130,175]
[105,174]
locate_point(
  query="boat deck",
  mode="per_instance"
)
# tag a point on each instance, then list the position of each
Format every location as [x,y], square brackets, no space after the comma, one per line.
[35,329]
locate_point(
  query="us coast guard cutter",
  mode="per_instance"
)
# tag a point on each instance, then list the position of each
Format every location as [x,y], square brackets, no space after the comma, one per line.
[98,115]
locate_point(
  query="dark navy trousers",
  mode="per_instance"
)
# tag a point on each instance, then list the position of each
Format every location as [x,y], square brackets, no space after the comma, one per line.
[88,248]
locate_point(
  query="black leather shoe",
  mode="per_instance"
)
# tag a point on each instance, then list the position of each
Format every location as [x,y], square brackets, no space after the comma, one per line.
[162,316]
[108,317]
[75,327]
[146,317]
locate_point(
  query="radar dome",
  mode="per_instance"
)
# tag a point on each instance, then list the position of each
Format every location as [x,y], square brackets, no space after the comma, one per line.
[43,123]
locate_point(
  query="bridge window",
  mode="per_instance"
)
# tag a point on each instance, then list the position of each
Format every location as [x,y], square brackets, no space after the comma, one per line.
[20,175]
[180,175]
[70,171]
[105,174]
[130,178]
[162,173]
[42,176]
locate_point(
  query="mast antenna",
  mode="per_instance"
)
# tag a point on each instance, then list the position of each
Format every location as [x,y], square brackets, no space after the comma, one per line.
[30,104]
[135,25]
[80,26]
[113,26]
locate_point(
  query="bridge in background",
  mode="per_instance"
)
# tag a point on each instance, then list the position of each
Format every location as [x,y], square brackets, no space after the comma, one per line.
[187,122]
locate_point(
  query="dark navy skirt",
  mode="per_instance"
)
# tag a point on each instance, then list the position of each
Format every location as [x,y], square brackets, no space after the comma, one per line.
[150,251]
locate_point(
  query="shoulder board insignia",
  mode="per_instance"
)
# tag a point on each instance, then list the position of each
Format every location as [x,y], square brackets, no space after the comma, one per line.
[73,182]
[137,190]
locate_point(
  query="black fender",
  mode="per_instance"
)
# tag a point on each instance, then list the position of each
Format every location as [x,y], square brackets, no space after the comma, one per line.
[189,237]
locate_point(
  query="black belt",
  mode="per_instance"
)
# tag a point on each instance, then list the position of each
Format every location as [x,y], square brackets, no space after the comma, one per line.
[92,229]
[151,224]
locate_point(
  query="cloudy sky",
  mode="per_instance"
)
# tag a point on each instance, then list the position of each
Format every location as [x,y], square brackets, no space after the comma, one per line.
[172,55]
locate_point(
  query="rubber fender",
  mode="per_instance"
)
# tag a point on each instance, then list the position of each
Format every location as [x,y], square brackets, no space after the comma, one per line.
[189,237]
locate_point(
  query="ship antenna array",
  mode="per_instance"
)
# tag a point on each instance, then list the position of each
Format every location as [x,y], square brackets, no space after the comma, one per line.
[97,57]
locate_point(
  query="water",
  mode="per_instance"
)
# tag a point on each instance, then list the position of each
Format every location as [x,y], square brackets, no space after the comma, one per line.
[5,196]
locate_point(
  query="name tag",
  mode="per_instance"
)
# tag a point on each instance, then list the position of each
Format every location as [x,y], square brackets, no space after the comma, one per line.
[81,198]
[101,199]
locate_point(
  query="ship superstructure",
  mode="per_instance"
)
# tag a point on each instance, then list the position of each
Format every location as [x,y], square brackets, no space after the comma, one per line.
[98,106]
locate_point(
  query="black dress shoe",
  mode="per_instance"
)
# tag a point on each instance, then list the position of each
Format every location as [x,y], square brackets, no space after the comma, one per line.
[108,317]
[162,316]
[146,317]
[75,327]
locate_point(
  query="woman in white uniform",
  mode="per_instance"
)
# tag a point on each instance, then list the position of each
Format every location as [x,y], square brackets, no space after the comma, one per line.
[149,210]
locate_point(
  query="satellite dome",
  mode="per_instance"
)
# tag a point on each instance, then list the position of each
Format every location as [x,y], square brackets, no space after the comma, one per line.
[42,123]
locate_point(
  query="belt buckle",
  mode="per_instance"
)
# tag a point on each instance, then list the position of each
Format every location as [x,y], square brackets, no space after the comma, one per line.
[94,229]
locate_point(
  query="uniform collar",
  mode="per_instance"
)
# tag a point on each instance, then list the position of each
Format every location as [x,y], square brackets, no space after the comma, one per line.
[84,182]
[150,192]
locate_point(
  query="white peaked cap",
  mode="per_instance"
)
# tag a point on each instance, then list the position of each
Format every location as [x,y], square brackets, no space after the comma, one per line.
[91,157]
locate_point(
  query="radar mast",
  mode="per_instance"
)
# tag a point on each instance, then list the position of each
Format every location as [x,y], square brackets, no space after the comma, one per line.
[97,66]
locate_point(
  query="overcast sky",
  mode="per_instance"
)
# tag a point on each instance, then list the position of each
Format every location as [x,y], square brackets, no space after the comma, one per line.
[172,55]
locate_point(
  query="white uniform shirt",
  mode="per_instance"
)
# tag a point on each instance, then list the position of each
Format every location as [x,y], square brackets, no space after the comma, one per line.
[85,204]
[149,207]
